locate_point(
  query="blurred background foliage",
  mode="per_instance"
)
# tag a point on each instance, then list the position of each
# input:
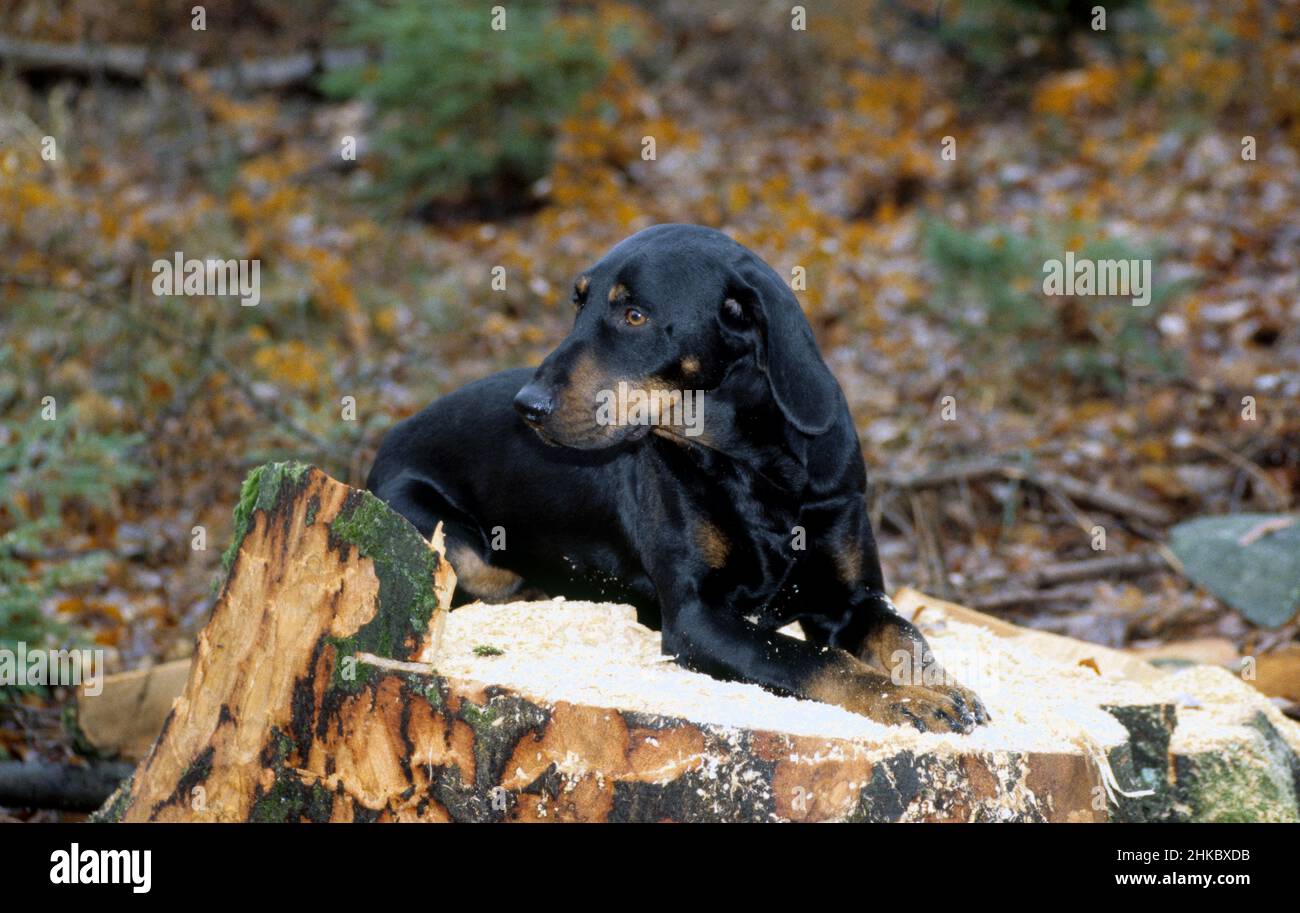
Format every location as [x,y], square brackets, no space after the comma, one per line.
[523,149]
[469,114]
[49,466]
[988,283]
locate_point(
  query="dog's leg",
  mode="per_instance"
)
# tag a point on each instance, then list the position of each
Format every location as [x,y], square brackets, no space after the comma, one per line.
[420,502]
[847,574]
[712,641]
[894,644]
[484,581]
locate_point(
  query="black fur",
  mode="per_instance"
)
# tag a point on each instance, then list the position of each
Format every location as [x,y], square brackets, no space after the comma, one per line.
[700,534]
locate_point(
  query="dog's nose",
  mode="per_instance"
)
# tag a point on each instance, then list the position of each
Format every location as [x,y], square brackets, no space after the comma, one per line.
[533,404]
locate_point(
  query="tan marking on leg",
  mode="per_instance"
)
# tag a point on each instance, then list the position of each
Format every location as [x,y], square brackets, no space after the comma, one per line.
[848,562]
[478,578]
[713,545]
[846,684]
[885,640]
[905,655]
[856,688]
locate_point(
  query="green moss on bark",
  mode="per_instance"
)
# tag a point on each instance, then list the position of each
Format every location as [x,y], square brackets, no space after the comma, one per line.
[499,725]
[1251,781]
[111,812]
[290,799]
[261,490]
[1142,763]
[404,565]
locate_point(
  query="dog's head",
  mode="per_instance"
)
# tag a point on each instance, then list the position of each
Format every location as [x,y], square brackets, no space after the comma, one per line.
[662,319]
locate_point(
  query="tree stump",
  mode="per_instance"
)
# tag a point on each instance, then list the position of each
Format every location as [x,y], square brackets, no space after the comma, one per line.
[325,689]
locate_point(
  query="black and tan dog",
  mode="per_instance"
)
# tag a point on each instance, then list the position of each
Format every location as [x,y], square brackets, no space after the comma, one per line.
[719,527]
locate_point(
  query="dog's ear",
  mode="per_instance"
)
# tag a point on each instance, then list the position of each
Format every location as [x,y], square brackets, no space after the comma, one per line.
[801,384]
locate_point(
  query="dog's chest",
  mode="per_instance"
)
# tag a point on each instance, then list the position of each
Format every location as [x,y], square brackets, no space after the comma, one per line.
[764,541]
[742,523]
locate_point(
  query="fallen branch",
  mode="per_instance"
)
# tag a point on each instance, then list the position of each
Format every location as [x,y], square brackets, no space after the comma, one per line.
[137,63]
[1107,499]
[1251,468]
[943,474]
[39,784]
[1075,571]
[1015,598]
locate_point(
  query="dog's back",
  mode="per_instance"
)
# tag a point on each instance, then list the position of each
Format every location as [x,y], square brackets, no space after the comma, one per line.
[515,511]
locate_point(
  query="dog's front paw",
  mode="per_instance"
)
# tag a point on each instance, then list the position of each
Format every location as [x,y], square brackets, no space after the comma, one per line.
[873,695]
[926,710]
[967,700]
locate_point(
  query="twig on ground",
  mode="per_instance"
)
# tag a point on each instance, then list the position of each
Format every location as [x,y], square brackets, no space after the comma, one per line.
[1014,598]
[1276,495]
[1081,519]
[1109,567]
[928,542]
[1107,499]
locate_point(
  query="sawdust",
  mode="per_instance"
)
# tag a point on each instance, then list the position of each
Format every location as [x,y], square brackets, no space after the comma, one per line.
[597,655]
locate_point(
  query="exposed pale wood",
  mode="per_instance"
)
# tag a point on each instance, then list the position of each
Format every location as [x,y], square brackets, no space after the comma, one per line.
[1068,651]
[124,718]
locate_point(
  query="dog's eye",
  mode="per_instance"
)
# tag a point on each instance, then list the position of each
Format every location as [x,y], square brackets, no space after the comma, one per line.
[634,317]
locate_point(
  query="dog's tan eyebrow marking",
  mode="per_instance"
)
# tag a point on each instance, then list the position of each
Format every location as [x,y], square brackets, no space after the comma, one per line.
[690,365]
[580,291]
[617,291]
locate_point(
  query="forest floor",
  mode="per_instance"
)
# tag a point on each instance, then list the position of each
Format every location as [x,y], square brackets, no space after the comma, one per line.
[922,284]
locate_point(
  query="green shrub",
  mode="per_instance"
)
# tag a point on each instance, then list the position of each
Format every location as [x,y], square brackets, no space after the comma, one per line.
[46,465]
[990,290]
[466,114]
[1002,37]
